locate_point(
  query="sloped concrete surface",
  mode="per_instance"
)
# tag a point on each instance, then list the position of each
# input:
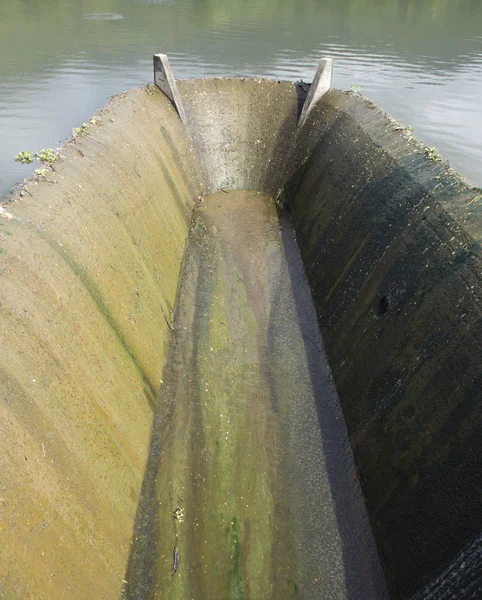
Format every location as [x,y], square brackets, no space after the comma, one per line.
[89,267]
[396,282]
[90,262]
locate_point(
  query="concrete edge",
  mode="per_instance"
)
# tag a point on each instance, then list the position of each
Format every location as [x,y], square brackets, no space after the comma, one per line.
[165,81]
[440,179]
[321,84]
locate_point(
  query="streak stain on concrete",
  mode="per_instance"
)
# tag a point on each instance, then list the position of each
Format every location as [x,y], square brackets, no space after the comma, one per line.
[240,447]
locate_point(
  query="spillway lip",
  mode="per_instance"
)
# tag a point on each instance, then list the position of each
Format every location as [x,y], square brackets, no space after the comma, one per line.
[361,109]
[237,78]
[349,144]
[72,147]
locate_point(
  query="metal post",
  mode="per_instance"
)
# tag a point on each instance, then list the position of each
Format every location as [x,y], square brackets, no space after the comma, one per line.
[321,84]
[164,79]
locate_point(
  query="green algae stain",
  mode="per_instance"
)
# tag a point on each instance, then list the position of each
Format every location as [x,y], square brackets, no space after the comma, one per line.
[91,287]
[235,575]
[228,355]
[225,420]
[344,271]
[202,457]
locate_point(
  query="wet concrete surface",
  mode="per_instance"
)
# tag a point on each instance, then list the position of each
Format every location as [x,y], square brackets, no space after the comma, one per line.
[90,258]
[250,490]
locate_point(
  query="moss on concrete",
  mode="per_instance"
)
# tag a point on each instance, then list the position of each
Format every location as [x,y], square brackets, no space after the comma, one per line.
[89,263]
[89,268]
[397,286]
[237,442]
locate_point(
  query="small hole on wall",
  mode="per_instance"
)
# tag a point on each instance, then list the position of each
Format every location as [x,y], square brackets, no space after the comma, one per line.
[382,306]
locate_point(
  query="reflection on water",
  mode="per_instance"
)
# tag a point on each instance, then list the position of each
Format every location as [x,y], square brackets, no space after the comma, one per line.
[104,16]
[421,61]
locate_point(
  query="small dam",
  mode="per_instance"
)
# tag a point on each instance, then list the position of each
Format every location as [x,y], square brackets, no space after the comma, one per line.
[241,355]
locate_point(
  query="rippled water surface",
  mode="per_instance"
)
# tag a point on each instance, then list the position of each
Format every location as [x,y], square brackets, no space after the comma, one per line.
[420,60]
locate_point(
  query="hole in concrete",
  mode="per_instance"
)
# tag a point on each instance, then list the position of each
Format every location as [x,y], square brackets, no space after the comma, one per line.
[382,306]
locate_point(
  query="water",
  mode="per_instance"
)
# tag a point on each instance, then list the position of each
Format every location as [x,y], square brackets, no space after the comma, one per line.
[62,59]
[250,489]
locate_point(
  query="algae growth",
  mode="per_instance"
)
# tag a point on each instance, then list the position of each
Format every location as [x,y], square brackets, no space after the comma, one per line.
[237,498]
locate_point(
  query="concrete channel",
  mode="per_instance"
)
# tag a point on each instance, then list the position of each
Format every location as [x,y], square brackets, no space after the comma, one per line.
[240,355]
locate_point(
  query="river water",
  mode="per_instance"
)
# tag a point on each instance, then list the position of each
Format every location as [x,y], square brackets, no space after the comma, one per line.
[420,60]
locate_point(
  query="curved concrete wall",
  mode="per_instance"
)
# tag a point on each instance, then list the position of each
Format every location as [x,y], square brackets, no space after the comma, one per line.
[242,131]
[389,238]
[397,287]
[89,267]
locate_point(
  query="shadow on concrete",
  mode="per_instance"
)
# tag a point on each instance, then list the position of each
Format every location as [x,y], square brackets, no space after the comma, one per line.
[363,573]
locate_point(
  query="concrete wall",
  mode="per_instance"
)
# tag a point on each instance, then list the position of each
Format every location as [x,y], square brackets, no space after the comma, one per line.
[390,241]
[242,131]
[89,267]
[397,287]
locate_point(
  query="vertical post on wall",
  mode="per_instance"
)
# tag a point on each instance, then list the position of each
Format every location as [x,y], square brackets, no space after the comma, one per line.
[164,79]
[321,84]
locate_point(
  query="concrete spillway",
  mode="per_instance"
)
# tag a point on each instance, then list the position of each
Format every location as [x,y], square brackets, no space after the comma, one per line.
[215,435]
[250,442]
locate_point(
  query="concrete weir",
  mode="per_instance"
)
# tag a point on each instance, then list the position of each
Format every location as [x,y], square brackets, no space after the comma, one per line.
[172,424]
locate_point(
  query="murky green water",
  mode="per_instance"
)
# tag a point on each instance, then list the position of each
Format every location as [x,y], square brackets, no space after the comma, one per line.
[250,486]
[421,60]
